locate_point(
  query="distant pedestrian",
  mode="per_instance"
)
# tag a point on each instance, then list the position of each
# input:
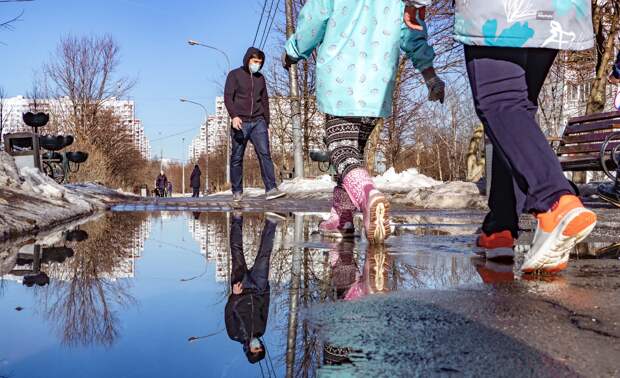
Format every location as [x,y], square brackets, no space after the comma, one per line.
[508,53]
[358,46]
[194,180]
[169,189]
[161,183]
[247,102]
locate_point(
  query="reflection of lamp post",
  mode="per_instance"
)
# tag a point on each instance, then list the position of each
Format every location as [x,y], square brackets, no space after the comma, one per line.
[193,42]
[206,140]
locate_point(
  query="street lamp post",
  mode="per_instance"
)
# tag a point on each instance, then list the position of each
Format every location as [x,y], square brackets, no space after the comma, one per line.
[193,42]
[183,168]
[206,139]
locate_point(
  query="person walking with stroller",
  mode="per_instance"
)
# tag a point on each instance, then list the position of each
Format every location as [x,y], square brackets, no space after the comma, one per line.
[161,182]
[359,44]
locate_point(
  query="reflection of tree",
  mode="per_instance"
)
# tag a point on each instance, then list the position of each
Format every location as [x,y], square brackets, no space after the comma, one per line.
[83,299]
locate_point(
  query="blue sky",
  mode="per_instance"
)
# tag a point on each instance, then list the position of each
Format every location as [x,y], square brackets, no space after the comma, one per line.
[152,35]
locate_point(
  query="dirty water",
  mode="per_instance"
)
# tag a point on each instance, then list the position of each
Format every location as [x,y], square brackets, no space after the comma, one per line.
[150,295]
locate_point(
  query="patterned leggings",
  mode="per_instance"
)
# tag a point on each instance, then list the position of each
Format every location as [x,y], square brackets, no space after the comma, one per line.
[346,139]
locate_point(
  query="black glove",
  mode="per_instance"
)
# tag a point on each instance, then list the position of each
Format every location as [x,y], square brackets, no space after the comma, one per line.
[436,86]
[287,61]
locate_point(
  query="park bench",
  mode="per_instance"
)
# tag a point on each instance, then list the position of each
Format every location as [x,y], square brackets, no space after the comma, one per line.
[590,143]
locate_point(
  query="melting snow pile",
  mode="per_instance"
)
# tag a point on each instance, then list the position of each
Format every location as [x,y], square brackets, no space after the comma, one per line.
[449,195]
[389,182]
[31,201]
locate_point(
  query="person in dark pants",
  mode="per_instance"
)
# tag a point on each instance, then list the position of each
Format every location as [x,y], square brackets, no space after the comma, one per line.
[247,102]
[160,184]
[611,192]
[247,308]
[507,63]
[194,181]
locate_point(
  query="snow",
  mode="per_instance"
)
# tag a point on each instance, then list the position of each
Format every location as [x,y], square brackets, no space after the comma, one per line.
[392,182]
[31,202]
[388,182]
[449,195]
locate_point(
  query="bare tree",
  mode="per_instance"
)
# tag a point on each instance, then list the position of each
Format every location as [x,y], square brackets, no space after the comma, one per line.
[5,111]
[82,78]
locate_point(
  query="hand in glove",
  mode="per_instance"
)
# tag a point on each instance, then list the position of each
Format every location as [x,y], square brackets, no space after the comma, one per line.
[436,86]
[287,61]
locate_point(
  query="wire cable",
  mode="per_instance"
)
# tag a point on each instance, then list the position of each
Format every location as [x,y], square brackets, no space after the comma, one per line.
[267,24]
[262,14]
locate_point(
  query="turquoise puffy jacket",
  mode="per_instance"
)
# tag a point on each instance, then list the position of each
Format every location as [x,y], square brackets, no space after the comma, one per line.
[359,43]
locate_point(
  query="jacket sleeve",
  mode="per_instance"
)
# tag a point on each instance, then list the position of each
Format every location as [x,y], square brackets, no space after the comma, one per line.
[229,93]
[311,25]
[415,44]
[265,101]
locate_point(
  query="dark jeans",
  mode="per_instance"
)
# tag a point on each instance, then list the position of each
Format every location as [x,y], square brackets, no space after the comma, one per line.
[257,133]
[257,278]
[526,174]
[196,192]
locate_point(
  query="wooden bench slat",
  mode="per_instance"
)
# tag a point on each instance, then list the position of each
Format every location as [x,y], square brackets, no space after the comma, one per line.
[589,127]
[594,117]
[581,148]
[583,163]
[586,138]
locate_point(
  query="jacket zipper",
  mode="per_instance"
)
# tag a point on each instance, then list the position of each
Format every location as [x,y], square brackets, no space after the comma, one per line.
[252,97]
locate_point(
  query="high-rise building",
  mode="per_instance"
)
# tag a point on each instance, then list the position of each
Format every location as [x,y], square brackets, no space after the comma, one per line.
[218,126]
[58,108]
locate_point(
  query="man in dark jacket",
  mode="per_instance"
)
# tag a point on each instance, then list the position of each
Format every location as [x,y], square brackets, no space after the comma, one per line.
[247,308]
[194,180]
[247,102]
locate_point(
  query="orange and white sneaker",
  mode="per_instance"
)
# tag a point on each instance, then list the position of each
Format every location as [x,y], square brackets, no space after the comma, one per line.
[559,229]
[498,245]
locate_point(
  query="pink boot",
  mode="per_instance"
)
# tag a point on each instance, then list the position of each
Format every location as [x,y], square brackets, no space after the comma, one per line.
[371,201]
[340,222]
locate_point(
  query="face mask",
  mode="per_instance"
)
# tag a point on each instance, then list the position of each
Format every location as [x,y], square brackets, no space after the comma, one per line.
[255,343]
[254,67]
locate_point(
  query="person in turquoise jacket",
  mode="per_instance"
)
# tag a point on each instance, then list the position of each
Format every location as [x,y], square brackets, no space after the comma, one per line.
[358,45]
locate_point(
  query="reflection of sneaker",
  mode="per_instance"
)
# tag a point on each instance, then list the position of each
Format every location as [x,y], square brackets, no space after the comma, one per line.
[274,217]
[492,272]
[559,229]
[273,194]
[498,245]
[376,217]
[237,196]
[331,228]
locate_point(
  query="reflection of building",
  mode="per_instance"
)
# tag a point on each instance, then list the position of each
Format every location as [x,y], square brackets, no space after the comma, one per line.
[213,244]
[59,110]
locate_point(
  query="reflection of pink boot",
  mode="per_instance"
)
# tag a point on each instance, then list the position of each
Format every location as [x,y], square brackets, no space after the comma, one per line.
[340,222]
[371,201]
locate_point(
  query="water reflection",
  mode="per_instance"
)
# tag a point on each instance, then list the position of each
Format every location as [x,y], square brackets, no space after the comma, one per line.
[259,276]
[247,308]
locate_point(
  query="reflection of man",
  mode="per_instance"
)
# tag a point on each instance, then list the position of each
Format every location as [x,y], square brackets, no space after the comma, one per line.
[248,306]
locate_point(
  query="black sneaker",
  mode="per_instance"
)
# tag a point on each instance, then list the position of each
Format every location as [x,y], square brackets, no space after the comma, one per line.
[610,193]
[274,193]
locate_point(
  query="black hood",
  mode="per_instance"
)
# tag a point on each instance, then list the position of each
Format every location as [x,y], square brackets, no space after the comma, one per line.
[251,51]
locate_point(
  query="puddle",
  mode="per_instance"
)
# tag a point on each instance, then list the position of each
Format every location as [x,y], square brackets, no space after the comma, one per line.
[151,294]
